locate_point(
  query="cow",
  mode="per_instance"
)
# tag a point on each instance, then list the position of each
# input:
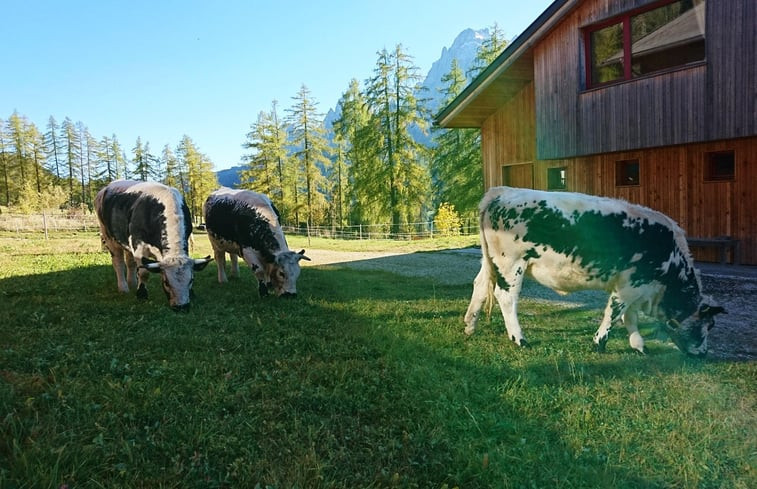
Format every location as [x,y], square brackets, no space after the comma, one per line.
[146,226]
[246,223]
[570,241]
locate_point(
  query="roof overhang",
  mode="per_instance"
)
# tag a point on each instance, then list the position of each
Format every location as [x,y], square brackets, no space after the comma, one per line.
[505,76]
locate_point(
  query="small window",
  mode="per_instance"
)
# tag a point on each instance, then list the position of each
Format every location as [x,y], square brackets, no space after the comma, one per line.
[556,178]
[627,173]
[720,166]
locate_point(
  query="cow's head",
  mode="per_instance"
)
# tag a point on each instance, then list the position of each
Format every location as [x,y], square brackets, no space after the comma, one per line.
[285,271]
[177,276]
[690,335]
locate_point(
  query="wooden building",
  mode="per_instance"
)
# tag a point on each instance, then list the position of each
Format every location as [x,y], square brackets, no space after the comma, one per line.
[652,101]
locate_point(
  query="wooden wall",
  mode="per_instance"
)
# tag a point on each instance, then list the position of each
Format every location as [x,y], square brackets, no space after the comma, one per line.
[716,99]
[672,181]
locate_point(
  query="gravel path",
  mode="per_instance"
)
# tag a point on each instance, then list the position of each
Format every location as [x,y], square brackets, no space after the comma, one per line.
[733,338]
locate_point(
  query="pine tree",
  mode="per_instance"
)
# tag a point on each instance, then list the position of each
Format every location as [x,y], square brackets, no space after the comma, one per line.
[141,161]
[395,109]
[488,51]
[201,179]
[70,140]
[52,143]
[457,165]
[308,137]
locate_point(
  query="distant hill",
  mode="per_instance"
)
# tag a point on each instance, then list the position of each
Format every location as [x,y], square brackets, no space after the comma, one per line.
[229,177]
[463,48]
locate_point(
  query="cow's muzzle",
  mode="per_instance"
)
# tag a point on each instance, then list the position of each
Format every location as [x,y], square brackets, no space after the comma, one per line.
[181,308]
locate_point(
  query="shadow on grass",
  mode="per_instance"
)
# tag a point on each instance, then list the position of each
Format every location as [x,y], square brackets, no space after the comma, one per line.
[363,380]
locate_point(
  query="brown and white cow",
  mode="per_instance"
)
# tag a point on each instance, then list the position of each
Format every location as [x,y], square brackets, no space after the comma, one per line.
[146,227]
[571,241]
[245,223]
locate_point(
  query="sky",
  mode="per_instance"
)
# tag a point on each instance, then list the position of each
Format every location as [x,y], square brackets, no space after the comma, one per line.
[162,69]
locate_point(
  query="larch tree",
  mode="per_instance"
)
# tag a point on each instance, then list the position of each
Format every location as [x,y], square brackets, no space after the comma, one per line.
[201,179]
[457,167]
[488,51]
[70,140]
[391,97]
[308,137]
[52,143]
[5,158]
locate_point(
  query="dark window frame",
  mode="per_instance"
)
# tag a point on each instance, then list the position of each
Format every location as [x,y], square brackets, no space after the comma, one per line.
[623,178]
[713,172]
[624,19]
[563,185]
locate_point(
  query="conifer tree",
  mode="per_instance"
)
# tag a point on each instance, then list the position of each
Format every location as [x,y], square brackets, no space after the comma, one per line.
[200,178]
[70,139]
[488,51]
[5,163]
[395,109]
[457,165]
[308,137]
[53,147]
[171,168]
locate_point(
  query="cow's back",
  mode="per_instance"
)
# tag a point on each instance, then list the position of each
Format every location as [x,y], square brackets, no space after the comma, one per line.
[245,218]
[588,238]
[132,212]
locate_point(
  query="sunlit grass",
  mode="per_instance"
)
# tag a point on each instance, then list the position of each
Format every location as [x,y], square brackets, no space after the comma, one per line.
[365,380]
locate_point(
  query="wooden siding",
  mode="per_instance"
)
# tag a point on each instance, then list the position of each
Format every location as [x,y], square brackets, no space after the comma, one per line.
[508,137]
[707,101]
[672,181]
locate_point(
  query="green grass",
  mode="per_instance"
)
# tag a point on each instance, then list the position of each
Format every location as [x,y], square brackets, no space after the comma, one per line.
[365,380]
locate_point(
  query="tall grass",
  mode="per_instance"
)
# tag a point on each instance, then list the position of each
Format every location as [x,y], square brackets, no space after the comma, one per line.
[365,380]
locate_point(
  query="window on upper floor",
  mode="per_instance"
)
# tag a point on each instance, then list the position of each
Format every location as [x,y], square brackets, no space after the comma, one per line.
[666,35]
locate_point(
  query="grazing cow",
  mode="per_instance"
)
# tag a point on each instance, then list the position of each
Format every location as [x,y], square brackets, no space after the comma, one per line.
[245,223]
[570,241]
[146,226]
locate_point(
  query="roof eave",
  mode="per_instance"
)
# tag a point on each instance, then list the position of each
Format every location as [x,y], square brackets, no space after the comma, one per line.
[512,52]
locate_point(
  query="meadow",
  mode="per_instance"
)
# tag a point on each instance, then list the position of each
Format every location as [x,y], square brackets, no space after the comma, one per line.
[364,380]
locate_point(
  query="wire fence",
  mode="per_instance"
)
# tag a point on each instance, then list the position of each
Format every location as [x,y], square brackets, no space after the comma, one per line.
[76,222]
[54,222]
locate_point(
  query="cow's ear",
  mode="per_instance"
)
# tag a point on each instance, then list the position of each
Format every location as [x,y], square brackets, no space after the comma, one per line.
[201,263]
[150,265]
[302,255]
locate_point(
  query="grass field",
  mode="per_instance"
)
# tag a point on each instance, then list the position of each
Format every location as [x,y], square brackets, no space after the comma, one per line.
[364,380]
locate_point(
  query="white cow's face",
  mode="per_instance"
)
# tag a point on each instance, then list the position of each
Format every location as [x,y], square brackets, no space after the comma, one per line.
[285,272]
[690,335]
[177,277]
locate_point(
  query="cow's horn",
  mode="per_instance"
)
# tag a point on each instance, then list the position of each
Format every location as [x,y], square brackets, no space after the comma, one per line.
[673,324]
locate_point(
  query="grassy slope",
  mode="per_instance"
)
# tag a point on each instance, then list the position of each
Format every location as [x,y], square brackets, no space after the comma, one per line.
[365,380]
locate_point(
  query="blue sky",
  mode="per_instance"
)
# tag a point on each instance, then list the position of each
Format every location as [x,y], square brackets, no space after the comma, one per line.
[162,69]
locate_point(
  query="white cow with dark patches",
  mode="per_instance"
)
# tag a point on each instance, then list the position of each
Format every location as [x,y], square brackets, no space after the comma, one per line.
[245,223]
[570,241]
[146,227]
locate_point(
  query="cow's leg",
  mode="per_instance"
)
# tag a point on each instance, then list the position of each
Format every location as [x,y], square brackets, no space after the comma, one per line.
[507,292]
[234,264]
[482,287]
[131,268]
[142,275]
[117,254]
[631,321]
[220,257]
[621,302]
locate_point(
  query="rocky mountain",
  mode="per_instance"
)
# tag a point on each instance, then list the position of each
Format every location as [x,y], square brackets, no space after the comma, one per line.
[463,48]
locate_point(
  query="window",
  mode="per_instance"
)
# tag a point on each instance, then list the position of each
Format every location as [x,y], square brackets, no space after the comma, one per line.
[719,166]
[627,173]
[645,41]
[556,178]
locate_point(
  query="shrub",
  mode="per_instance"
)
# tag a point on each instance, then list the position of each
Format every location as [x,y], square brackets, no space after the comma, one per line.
[447,221]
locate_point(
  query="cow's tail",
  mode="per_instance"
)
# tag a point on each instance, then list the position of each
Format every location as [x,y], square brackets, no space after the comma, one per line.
[487,265]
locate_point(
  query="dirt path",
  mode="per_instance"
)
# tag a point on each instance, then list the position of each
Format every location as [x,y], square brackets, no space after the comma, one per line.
[733,338]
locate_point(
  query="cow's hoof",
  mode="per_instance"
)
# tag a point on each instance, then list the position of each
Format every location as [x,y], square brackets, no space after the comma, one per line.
[523,343]
[600,346]
[640,351]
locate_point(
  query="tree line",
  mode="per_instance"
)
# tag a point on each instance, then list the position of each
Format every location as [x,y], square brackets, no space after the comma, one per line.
[367,168]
